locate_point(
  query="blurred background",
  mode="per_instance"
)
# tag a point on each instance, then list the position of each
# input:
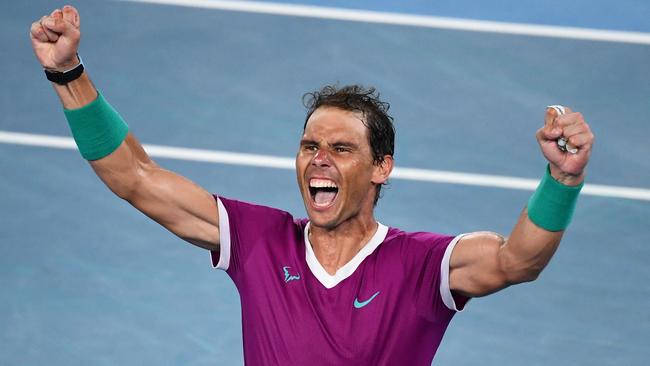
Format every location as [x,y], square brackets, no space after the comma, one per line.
[86,279]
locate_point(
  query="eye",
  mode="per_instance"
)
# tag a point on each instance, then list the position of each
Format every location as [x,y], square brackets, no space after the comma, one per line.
[310,147]
[340,149]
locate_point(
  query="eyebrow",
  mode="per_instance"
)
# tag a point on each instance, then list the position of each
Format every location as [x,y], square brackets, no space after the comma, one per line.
[347,144]
[304,142]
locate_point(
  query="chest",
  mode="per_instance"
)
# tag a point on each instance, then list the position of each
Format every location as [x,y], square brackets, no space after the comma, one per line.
[282,298]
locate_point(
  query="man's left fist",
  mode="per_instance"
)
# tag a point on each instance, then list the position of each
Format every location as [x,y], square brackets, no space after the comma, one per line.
[566,167]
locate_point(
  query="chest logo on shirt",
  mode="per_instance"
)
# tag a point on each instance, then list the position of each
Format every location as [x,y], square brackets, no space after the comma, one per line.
[359,305]
[289,277]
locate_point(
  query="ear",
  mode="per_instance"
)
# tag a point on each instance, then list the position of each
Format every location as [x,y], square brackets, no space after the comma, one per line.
[382,171]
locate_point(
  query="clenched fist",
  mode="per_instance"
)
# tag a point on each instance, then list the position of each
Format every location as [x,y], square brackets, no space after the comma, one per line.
[566,167]
[55,39]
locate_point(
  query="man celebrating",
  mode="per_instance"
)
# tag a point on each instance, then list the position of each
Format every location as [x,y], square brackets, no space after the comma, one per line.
[337,288]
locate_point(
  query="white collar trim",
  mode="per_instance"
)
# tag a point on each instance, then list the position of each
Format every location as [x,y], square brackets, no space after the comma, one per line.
[348,269]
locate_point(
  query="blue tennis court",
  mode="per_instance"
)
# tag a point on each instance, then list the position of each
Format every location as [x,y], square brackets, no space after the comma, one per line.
[86,279]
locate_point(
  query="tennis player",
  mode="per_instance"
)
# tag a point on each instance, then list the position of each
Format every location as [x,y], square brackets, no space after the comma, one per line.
[337,288]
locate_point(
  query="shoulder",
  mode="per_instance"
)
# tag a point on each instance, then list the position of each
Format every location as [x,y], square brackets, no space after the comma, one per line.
[262,217]
[416,248]
[417,240]
[240,207]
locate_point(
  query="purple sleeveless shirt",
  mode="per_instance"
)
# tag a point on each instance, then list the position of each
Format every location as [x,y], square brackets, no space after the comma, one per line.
[390,305]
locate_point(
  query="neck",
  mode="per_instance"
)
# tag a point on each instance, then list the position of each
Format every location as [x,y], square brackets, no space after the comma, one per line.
[334,247]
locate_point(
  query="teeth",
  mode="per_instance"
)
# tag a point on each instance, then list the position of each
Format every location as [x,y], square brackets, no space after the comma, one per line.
[322,183]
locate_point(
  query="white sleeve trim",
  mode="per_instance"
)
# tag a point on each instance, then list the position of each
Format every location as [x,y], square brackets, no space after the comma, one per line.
[445,291]
[224,237]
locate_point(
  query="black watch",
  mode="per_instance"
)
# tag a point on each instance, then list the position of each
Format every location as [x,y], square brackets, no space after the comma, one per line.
[64,77]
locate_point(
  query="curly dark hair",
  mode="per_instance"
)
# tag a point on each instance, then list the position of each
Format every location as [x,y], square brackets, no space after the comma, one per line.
[356,98]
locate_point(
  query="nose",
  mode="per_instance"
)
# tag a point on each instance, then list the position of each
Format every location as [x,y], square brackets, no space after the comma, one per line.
[321,158]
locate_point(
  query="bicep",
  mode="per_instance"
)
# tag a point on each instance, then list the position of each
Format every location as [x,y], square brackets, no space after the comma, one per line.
[175,202]
[180,205]
[474,268]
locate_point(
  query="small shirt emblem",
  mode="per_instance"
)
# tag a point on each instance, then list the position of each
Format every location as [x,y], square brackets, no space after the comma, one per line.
[289,277]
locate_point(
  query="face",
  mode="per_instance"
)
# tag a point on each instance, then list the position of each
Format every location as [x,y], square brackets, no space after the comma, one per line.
[335,169]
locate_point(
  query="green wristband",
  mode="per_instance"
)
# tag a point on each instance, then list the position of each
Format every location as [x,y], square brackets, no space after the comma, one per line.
[97,128]
[552,205]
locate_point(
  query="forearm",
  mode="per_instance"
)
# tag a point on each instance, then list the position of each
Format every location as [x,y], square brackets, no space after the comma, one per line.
[535,238]
[121,169]
[77,93]
[125,168]
[527,250]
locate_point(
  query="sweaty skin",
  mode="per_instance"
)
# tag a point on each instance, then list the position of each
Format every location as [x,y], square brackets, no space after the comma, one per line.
[484,263]
[334,150]
[173,201]
[335,147]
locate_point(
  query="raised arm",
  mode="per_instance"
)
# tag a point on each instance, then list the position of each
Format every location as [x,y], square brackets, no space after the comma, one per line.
[173,201]
[483,263]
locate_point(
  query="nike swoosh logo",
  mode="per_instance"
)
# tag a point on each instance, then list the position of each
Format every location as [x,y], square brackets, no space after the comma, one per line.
[359,305]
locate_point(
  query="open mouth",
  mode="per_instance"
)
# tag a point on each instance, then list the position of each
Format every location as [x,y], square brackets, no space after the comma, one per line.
[323,192]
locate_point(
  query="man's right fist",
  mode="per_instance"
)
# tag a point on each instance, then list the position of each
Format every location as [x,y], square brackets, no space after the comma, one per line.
[55,39]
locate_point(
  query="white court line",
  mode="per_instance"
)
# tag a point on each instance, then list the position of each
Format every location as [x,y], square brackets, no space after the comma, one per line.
[266,161]
[425,21]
